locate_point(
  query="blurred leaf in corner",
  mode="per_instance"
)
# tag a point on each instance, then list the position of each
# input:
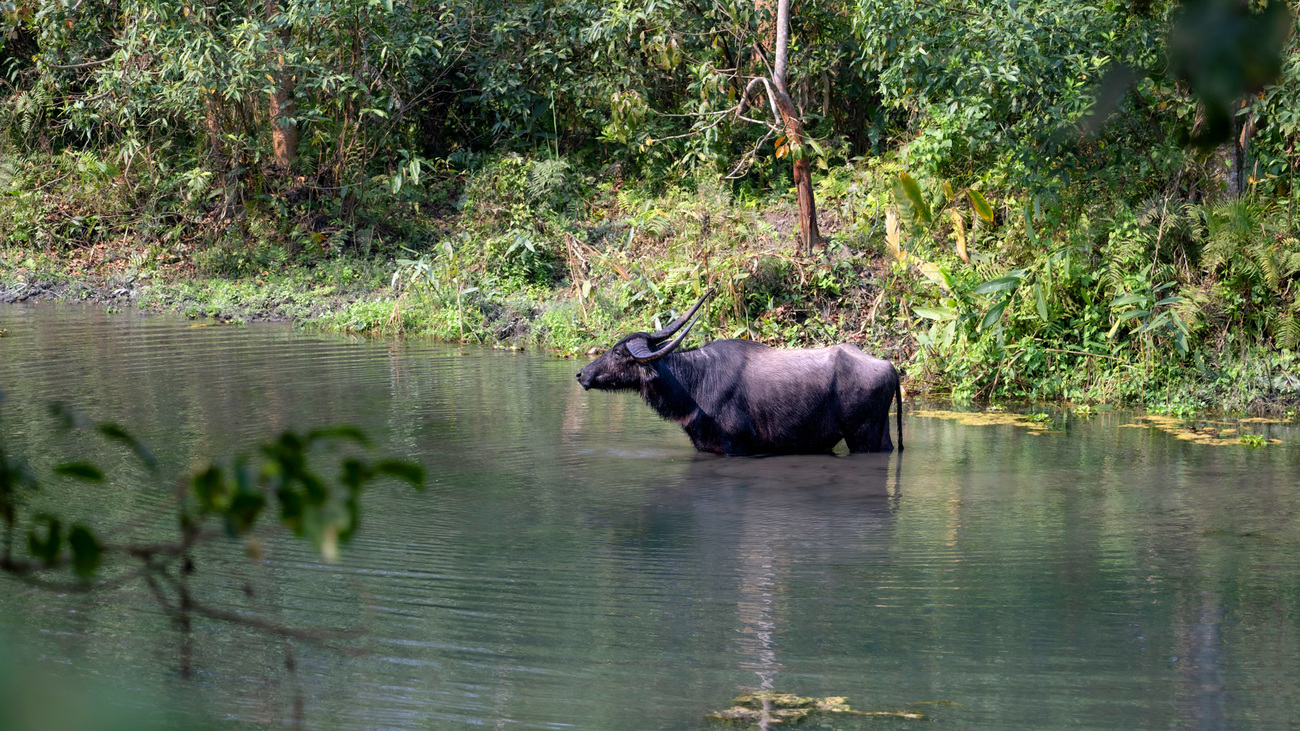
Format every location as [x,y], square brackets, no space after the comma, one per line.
[1226,49]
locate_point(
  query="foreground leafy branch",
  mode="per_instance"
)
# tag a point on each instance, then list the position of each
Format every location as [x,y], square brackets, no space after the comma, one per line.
[284,481]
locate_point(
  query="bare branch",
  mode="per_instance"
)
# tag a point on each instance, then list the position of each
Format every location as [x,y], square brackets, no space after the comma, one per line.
[771,99]
[320,634]
[759,122]
[87,64]
[94,98]
[971,13]
[748,158]
[696,115]
[694,132]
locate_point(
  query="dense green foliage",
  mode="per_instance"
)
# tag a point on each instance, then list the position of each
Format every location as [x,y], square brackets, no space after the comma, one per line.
[1044,199]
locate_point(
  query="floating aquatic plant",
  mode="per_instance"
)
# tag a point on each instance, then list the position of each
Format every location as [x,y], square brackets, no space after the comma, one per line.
[1207,432]
[769,707]
[1252,441]
[1036,424]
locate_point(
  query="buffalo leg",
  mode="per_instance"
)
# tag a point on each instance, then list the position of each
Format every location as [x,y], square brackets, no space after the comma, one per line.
[871,436]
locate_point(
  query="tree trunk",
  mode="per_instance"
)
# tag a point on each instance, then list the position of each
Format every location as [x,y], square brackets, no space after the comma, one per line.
[284,135]
[212,126]
[808,234]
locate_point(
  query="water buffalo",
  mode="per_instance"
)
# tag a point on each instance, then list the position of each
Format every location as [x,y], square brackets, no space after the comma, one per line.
[739,397]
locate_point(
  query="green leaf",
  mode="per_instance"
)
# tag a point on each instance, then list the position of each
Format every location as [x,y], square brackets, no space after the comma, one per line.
[913,192]
[1154,323]
[998,285]
[935,313]
[244,509]
[291,509]
[995,312]
[81,471]
[46,548]
[1127,299]
[409,472]
[980,205]
[341,432]
[1132,314]
[210,488]
[87,553]
[118,434]
[1040,301]
[355,474]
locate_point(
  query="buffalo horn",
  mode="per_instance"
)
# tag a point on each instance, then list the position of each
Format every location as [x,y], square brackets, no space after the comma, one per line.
[675,324]
[640,349]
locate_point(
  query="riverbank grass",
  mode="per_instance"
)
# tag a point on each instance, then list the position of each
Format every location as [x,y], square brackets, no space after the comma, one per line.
[979,292]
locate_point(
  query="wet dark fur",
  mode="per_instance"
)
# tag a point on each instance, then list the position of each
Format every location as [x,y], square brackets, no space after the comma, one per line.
[738,397]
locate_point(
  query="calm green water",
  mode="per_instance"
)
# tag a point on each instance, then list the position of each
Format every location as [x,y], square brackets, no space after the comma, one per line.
[575,565]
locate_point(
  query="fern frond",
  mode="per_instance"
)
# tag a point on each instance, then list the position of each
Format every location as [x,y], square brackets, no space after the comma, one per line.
[546,178]
[1191,309]
[1292,266]
[1286,331]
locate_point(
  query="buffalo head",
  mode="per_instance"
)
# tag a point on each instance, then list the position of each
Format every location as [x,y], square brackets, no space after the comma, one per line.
[624,365]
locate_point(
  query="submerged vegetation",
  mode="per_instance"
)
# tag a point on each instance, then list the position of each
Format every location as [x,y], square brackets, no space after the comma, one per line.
[1047,200]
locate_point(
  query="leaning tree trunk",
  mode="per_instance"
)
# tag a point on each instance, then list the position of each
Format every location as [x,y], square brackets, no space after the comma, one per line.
[284,135]
[808,234]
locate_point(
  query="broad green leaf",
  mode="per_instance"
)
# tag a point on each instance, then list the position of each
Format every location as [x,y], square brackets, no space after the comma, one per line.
[1180,331]
[408,472]
[980,205]
[1155,322]
[1000,284]
[81,471]
[935,313]
[243,511]
[913,192]
[46,548]
[1040,301]
[995,312]
[1131,314]
[1127,299]
[355,474]
[118,434]
[87,553]
[210,488]
[339,431]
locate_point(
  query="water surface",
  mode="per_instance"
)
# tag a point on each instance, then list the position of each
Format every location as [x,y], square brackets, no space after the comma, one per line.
[574,564]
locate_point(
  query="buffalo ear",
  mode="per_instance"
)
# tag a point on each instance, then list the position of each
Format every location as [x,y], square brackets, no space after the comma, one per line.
[640,349]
